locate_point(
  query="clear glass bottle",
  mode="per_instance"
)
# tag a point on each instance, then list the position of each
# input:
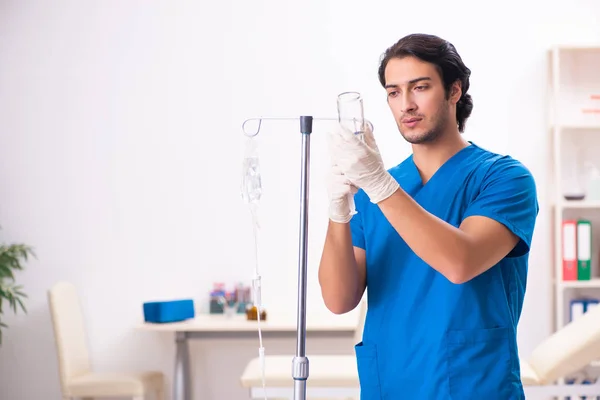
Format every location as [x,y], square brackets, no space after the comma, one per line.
[351,116]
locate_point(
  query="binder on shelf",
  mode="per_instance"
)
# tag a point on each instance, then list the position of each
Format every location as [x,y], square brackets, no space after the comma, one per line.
[581,306]
[584,250]
[590,304]
[577,309]
[569,250]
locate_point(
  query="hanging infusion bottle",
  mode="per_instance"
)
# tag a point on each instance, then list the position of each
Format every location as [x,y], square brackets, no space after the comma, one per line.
[251,182]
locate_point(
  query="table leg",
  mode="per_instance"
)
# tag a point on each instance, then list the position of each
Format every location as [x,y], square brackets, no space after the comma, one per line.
[181,381]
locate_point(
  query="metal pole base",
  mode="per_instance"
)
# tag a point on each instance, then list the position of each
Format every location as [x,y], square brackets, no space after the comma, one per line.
[300,374]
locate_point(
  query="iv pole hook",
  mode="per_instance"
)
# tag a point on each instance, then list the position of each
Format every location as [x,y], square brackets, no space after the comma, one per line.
[259,120]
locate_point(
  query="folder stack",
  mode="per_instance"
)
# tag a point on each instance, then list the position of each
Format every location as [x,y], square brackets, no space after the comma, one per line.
[577,250]
[581,306]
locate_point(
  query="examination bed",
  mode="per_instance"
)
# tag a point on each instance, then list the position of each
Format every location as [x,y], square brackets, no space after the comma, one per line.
[565,353]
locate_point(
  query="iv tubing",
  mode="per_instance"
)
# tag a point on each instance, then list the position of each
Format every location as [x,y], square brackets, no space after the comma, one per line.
[257,286]
[252,201]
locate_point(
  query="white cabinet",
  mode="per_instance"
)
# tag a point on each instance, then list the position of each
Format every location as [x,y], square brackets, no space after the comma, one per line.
[574,115]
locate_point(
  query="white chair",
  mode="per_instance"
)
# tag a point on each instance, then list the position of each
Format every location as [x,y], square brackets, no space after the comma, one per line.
[565,353]
[76,377]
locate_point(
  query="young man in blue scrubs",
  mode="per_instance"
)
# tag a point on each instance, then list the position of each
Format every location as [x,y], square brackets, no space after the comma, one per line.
[441,240]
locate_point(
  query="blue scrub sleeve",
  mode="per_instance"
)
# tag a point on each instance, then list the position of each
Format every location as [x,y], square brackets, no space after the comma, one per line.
[356,224]
[508,195]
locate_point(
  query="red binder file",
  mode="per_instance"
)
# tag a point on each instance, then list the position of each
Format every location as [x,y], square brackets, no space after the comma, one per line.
[569,250]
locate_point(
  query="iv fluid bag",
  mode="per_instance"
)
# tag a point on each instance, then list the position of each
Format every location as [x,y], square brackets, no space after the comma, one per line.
[251,182]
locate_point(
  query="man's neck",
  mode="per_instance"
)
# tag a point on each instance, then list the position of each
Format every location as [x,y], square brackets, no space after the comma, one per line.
[430,157]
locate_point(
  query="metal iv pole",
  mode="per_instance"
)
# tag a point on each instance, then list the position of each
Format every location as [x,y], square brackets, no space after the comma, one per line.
[300,365]
[300,370]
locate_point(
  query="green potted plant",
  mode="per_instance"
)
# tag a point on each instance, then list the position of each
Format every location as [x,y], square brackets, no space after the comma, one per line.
[12,259]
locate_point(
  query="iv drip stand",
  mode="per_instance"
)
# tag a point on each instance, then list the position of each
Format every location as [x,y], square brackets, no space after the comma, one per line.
[300,365]
[300,370]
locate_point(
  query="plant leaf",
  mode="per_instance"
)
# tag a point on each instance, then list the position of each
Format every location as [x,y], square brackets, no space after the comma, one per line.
[2,325]
[12,258]
[21,305]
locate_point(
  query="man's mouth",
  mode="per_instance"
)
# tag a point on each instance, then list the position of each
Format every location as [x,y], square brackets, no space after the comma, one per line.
[411,122]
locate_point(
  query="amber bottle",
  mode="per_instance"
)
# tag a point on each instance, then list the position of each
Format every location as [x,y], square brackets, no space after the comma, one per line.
[252,314]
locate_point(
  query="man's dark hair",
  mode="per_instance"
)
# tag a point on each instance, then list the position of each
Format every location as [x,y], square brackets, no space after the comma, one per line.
[444,56]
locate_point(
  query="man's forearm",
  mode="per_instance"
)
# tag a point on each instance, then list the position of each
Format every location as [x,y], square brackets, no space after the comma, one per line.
[441,245]
[338,271]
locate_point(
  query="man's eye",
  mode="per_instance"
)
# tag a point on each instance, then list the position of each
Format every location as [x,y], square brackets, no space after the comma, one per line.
[392,94]
[421,87]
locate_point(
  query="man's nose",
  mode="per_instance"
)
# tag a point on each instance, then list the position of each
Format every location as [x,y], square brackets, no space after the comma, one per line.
[408,104]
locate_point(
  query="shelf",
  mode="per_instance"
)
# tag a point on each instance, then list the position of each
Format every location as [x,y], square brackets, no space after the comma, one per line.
[578,127]
[578,204]
[576,47]
[592,283]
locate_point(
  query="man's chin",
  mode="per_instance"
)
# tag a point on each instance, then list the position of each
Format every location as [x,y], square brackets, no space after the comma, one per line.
[418,137]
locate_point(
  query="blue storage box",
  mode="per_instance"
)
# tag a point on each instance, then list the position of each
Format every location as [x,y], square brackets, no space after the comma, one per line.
[168,311]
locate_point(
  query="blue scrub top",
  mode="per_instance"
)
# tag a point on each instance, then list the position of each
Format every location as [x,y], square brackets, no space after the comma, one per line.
[424,336]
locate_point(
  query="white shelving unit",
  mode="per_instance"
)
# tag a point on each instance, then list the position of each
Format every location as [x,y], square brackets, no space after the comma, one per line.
[575,132]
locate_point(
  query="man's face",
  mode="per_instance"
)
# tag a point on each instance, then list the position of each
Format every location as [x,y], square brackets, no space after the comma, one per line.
[417,99]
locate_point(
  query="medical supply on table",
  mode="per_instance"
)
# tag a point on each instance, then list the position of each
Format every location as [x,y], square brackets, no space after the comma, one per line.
[215,299]
[351,116]
[168,311]
[235,301]
[251,193]
[252,314]
[243,296]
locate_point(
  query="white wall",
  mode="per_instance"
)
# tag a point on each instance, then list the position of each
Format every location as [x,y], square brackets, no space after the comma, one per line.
[120,151]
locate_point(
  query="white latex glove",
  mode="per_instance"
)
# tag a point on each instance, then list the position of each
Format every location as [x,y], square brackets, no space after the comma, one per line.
[361,163]
[339,190]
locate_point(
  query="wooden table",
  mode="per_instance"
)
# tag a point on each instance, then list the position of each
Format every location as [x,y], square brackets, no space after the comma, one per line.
[237,326]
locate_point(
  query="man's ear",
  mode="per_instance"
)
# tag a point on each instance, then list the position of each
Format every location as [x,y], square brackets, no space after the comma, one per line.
[455,92]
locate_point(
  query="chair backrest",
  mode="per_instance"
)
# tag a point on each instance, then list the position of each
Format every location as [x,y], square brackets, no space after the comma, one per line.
[569,349]
[362,314]
[69,332]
